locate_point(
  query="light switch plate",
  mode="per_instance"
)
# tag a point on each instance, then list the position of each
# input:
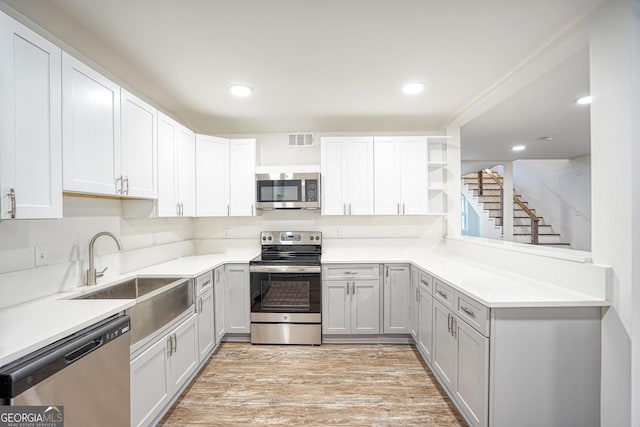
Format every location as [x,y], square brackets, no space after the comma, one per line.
[41,255]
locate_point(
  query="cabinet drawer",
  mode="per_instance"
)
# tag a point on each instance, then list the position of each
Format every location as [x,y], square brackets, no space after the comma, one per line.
[351,271]
[426,281]
[203,282]
[474,313]
[444,293]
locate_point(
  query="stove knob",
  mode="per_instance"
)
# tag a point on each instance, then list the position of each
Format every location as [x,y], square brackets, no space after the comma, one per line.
[264,238]
[310,237]
[317,237]
[270,238]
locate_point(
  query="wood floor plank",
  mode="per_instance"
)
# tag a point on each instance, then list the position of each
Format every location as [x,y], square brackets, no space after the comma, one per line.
[328,385]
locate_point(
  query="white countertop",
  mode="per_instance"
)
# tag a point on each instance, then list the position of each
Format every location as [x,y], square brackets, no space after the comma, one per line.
[27,327]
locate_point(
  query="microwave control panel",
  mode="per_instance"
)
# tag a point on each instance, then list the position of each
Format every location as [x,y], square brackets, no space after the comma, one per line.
[311,190]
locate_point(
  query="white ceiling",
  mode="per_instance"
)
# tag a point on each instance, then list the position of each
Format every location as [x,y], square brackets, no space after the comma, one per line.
[322,66]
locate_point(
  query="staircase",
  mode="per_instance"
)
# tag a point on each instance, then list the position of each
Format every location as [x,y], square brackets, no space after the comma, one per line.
[490,202]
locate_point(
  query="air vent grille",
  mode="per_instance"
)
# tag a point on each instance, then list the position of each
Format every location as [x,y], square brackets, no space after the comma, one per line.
[301,140]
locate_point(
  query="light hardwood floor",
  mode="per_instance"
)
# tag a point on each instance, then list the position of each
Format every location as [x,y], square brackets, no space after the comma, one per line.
[355,385]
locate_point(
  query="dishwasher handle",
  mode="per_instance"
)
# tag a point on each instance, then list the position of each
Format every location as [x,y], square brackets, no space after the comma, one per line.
[83,351]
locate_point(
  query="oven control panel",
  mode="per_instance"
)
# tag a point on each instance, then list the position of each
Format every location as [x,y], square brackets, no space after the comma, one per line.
[291,238]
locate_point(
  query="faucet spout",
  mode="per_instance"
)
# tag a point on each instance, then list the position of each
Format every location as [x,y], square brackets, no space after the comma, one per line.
[92,274]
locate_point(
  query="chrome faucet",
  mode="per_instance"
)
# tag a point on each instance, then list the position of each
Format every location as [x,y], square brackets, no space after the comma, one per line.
[92,274]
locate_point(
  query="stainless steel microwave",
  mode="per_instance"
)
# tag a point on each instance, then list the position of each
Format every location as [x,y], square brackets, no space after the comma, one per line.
[288,191]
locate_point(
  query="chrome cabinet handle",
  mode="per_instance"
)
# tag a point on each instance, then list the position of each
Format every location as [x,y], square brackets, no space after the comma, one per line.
[169,346]
[449,323]
[403,209]
[443,294]
[178,209]
[398,208]
[12,202]
[387,266]
[417,294]
[454,326]
[424,282]
[175,343]
[228,210]
[344,208]
[353,288]
[347,288]
[125,190]
[466,310]
[349,208]
[252,209]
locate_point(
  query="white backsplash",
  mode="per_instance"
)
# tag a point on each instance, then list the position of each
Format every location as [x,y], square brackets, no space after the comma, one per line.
[152,241]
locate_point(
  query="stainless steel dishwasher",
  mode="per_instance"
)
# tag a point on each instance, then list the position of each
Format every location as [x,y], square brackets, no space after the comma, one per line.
[87,373]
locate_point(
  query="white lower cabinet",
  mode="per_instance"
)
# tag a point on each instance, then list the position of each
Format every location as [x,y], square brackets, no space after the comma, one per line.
[219,310]
[206,330]
[425,322]
[460,359]
[236,299]
[350,299]
[351,307]
[161,370]
[397,290]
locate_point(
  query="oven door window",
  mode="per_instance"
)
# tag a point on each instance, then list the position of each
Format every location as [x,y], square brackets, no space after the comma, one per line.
[280,191]
[286,293]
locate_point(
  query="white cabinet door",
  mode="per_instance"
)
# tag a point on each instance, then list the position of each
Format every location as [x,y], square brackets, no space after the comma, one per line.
[347,174]
[365,307]
[219,311]
[401,176]
[237,313]
[167,166]
[414,297]
[413,176]
[183,360]
[90,129]
[336,307]
[386,176]
[242,178]
[186,171]
[30,124]
[443,345]
[212,176]
[425,323]
[206,330]
[397,289]
[150,387]
[359,169]
[139,148]
[471,373]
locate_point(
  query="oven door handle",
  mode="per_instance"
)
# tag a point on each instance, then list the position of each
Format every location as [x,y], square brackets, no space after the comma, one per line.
[284,269]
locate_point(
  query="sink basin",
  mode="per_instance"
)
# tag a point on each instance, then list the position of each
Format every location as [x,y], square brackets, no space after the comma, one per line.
[131,289]
[159,300]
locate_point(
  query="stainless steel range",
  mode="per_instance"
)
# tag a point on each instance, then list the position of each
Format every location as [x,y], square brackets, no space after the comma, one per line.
[286,289]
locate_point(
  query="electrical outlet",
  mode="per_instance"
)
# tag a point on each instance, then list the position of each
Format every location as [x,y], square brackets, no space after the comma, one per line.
[226,232]
[340,232]
[154,239]
[41,256]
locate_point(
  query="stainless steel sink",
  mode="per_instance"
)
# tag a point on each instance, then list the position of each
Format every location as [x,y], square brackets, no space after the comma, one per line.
[131,289]
[158,301]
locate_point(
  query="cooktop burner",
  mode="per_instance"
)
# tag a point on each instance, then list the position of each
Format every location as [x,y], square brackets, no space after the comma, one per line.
[289,247]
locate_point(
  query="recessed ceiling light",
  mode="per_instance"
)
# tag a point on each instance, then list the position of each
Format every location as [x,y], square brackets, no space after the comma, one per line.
[546,138]
[585,100]
[518,148]
[413,88]
[240,90]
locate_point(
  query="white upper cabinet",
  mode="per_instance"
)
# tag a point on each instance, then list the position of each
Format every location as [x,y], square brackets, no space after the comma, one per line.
[90,129]
[212,176]
[400,176]
[138,148]
[225,176]
[186,173]
[30,124]
[347,173]
[176,169]
[242,178]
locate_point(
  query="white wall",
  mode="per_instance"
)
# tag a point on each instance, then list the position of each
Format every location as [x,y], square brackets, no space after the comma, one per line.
[614,53]
[560,191]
